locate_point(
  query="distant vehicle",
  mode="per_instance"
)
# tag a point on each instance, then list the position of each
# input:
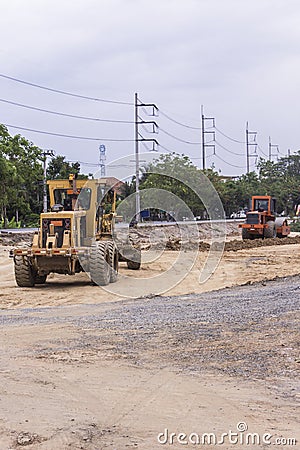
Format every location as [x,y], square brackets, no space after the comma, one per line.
[145,215]
[238,215]
[261,220]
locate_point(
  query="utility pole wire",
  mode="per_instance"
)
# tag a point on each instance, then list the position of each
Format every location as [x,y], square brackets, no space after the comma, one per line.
[68,135]
[228,137]
[227,150]
[177,138]
[229,164]
[259,147]
[177,122]
[167,149]
[58,91]
[57,113]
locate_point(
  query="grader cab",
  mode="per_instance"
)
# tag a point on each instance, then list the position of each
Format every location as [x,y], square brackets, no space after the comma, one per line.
[76,235]
[261,221]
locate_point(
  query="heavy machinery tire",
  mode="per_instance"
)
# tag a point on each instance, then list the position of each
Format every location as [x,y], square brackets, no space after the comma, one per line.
[133,265]
[113,262]
[100,263]
[136,264]
[23,271]
[280,222]
[246,234]
[270,232]
[40,279]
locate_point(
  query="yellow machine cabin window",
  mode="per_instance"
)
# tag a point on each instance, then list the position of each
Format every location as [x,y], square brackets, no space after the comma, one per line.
[70,200]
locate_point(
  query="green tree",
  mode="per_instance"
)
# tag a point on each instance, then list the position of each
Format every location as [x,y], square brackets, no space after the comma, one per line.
[21,176]
[7,179]
[178,167]
[281,180]
[247,185]
[59,168]
[231,196]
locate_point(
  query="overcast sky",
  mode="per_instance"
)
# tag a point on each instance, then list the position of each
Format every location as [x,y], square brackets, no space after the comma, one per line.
[240,59]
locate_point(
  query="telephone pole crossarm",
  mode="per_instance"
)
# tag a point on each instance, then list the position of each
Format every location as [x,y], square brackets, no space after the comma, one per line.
[150,105]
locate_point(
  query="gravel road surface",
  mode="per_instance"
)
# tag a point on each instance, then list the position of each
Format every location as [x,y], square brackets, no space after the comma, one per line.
[250,331]
[114,374]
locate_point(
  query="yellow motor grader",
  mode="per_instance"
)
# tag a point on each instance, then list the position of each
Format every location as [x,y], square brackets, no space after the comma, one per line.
[76,235]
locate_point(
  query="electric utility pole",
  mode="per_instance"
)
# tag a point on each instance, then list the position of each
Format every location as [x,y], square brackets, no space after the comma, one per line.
[270,149]
[45,154]
[204,132]
[249,144]
[139,138]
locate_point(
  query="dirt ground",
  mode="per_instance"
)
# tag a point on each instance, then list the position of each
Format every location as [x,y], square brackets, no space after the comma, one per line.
[236,267]
[55,395]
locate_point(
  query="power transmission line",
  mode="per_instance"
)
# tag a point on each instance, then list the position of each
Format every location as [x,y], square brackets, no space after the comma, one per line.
[259,147]
[226,149]
[57,113]
[86,138]
[177,138]
[58,91]
[167,149]
[229,164]
[228,137]
[177,122]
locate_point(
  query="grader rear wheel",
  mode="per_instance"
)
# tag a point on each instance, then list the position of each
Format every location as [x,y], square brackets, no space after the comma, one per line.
[23,271]
[100,263]
[113,262]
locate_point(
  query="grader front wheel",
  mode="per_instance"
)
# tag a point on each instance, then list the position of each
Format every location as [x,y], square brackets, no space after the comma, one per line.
[113,262]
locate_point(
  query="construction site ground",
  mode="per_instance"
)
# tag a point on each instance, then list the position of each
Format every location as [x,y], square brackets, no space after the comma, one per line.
[82,368]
